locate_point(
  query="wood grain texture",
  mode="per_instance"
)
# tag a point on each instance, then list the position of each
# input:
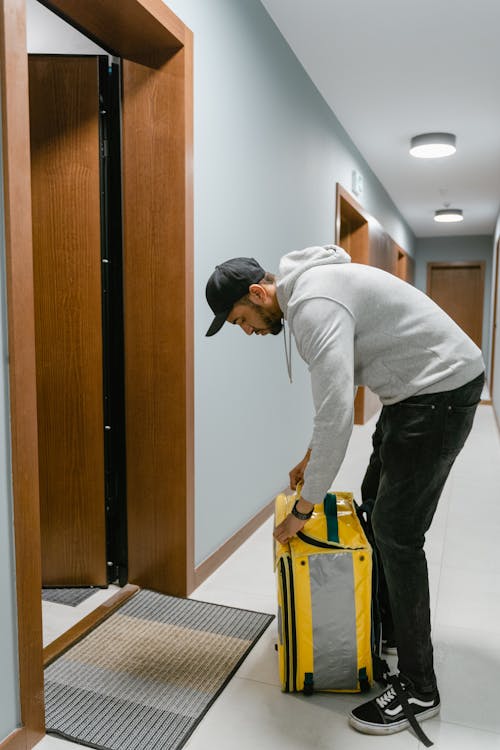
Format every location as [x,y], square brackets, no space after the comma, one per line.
[65,186]
[113,22]
[158,309]
[189,417]
[405,265]
[459,289]
[495,321]
[382,251]
[22,370]
[352,227]
[410,270]
[145,31]
[15,741]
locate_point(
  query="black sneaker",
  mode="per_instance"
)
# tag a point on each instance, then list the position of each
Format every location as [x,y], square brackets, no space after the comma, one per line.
[395,709]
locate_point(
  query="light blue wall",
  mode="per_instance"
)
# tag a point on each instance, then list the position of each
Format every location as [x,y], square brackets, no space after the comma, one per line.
[9,681]
[267,155]
[445,249]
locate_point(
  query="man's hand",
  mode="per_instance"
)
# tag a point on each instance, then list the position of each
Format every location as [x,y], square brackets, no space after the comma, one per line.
[288,528]
[297,473]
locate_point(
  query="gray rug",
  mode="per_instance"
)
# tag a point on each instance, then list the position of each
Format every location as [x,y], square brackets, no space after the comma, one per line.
[71,597]
[146,676]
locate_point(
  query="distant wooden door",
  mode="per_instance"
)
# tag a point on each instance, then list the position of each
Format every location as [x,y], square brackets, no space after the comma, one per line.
[459,289]
[64,130]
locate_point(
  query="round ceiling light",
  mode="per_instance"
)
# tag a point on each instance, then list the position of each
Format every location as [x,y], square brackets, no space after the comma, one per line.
[433,145]
[448,215]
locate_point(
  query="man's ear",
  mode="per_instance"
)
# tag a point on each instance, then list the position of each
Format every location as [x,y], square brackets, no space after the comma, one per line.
[257,293]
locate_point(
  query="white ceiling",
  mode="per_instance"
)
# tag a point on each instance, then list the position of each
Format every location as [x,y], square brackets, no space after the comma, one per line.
[390,69]
[47,33]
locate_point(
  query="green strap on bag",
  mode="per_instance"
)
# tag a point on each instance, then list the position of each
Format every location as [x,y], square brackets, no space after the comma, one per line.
[332,523]
[330,511]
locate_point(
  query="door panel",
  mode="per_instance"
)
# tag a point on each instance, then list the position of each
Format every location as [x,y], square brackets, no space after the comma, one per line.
[381,248]
[158,328]
[459,289]
[405,266]
[64,129]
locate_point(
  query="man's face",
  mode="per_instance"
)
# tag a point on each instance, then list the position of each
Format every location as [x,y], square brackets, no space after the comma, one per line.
[253,318]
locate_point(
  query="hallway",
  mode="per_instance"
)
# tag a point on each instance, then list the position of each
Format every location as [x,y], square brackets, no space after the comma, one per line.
[464,575]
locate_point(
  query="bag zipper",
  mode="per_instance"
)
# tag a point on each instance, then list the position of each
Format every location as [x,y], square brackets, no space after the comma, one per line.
[293,635]
[285,634]
[324,545]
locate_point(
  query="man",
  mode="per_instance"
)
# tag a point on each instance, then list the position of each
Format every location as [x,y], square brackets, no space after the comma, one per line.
[357,325]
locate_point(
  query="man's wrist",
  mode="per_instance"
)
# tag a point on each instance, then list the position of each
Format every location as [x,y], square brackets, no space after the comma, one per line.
[304,506]
[302,509]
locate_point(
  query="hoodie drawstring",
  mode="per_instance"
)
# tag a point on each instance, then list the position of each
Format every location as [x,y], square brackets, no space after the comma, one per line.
[288,350]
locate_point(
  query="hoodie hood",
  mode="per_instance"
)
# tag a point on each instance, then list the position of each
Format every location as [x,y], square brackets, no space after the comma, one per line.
[297,262]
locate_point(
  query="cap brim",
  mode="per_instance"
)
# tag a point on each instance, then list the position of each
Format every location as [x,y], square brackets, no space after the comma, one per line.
[217,323]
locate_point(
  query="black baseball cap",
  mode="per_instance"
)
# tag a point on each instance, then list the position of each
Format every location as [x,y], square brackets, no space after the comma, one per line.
[229,283]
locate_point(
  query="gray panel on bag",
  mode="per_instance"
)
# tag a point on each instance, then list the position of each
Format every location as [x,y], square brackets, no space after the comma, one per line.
[334,621]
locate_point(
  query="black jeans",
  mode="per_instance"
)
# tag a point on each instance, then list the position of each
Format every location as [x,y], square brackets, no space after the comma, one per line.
[415,444]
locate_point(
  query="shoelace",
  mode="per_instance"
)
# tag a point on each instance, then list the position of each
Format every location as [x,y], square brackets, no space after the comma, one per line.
[386,698]
[399,691]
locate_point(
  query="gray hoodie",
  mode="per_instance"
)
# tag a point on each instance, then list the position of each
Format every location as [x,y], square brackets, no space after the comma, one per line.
[358,325]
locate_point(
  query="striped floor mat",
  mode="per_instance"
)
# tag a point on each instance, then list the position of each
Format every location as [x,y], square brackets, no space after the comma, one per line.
[146,676]
[70,597]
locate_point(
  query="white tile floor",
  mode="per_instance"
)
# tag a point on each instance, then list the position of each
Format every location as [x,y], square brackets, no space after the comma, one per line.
[464,570]
[57,618]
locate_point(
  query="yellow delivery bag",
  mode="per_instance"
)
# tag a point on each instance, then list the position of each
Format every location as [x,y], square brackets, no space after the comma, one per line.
[324,579]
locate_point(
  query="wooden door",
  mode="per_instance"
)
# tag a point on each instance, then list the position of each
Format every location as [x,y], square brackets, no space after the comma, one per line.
[459,289]
[405,265]
[495,322]
[149,33]
[158,334]
[64,132]
[382,250]
[352,229]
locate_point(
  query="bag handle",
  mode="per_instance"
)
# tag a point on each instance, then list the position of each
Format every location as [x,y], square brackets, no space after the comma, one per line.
[332,521]
[330,511]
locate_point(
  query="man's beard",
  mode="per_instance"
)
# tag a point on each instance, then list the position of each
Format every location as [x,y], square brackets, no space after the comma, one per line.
[270,321]
[274,323]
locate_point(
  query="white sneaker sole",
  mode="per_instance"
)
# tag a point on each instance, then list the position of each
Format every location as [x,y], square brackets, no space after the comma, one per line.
[390,650]
[396,726]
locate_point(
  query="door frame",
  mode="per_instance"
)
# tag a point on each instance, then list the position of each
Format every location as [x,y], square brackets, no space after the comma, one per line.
[346,204]
[366,403]
[494,320]
[148,33]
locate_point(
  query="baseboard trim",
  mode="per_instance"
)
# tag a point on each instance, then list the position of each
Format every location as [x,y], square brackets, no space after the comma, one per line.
[86,624]
[497,418]
[15,741]
[211,564]
[23,738]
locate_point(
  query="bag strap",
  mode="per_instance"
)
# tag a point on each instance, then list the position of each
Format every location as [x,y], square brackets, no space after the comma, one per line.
[380,666]
[408,711]
[330,511]
[332,521]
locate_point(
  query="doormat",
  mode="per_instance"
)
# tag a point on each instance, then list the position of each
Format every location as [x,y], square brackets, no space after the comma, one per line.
[71,597]
[145,677]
